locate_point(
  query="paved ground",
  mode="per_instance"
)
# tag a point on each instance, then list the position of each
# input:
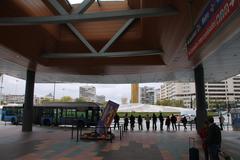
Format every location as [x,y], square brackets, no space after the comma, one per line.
[54,143]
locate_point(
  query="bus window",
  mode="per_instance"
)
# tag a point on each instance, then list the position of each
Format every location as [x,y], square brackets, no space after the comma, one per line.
[90,115]
[81,115]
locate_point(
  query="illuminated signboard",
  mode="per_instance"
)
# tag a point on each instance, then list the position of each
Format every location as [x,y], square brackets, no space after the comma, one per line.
[214,15]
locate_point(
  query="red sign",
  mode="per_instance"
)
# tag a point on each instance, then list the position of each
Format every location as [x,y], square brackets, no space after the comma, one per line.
[224,11]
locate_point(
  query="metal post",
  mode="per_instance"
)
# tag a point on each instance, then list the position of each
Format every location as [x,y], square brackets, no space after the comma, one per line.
[1,89]
[54,91]
[228,121]
[77,133]
[111,134]
[72,132]
[191,126]
[120,132]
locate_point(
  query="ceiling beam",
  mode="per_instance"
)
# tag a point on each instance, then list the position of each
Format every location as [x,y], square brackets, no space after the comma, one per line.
[133,13]
[106,55]
[59,8]
[117,35]
[83,7]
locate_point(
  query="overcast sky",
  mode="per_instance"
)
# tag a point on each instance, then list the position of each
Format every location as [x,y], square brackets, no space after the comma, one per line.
[112,92]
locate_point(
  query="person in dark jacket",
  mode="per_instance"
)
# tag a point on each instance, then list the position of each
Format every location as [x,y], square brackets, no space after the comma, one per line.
[140,123]
[167,123]
[154,121]
[161,119]
[147,119]
[116,121]
[213,139]
[174,121]
[184,121]
[126,122]
[132,122]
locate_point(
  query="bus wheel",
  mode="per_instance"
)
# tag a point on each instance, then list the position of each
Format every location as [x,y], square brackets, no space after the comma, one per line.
[46,122]
[13,121]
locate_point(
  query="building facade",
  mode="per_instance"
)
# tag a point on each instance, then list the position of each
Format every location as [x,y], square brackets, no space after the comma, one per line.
[147,95]
[18,99]
[135,93]
[124,100]
[178,91]
[88,93]
[157,95]
[226,91]
[100,99]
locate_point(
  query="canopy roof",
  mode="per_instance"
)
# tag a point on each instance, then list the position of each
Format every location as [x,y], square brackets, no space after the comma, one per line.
[110,41]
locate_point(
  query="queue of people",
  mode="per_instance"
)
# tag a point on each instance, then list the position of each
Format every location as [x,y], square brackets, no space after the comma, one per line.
[170,120]
[210,133]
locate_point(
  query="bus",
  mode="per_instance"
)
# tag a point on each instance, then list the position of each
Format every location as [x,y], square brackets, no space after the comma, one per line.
[12,113]
[56,113]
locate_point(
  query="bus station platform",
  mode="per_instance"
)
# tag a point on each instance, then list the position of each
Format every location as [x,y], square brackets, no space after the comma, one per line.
[56,143]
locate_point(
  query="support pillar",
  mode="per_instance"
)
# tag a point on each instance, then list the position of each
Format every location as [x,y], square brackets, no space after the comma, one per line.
[28,102]
[201,112]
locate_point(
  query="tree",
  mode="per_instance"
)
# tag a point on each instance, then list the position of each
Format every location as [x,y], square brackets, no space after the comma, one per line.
[80,100]
[46,100]
[216,104]
[66,99]
[170,102]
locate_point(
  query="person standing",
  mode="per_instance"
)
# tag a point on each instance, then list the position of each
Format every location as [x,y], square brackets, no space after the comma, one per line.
[126,122]
[132,122]
[161,119]
[203,135]
[154,121]
[116,121]
[167,123]
[184,121]
[140,123]
[174,121]
[147,119]
[221,120]
[213,139]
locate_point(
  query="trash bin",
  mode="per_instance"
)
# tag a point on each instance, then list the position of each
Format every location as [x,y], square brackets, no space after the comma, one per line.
[235,114]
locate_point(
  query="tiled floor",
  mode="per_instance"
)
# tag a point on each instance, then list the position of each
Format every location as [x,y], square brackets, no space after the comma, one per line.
[53,143]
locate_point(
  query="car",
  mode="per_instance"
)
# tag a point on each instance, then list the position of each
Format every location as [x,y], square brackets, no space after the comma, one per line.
[189,117]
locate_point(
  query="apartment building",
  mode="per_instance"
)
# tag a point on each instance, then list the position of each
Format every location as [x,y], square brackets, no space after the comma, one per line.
[225,91]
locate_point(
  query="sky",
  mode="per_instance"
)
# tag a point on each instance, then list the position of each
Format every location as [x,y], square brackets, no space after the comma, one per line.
[114,92]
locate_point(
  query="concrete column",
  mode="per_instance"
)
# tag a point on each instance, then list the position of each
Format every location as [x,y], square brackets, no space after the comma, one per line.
[201,111]
[28,102]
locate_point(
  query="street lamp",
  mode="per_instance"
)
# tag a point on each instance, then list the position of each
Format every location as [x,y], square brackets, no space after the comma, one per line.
[16,87]
[63,89]
[191,101]
[54,91]
[1,98]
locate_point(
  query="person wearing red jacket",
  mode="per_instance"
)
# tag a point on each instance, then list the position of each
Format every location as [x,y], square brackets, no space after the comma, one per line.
[203,135]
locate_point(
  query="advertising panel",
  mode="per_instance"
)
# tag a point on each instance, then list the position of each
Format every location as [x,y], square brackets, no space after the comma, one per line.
[213,17]
[107,116]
